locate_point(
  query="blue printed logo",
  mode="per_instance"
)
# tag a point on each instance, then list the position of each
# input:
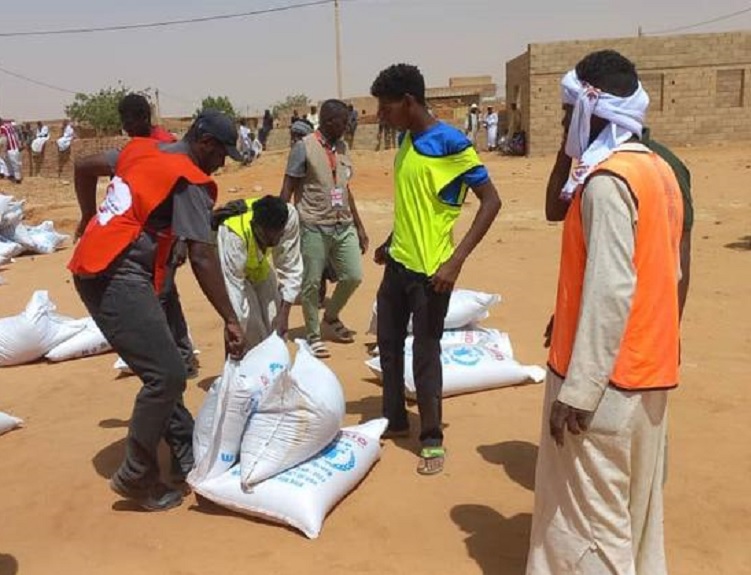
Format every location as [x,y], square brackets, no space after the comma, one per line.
[339,455]
[466,355]
[275,368]
[227,457]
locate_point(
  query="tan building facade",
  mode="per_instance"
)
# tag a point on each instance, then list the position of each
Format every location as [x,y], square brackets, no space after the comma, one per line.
[699,86]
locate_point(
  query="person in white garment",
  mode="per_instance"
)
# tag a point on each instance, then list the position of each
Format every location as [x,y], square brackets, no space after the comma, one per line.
[472,123]
[614,349]
[491,126]
[259,251]
[256,146]
[40,139]
[69,134]
[313,117]
[245,142]
[11,161]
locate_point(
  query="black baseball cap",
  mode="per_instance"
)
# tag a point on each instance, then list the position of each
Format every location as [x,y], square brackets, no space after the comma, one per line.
[220,126]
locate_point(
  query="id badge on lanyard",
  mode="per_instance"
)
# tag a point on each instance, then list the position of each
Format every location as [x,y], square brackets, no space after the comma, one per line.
[337,197]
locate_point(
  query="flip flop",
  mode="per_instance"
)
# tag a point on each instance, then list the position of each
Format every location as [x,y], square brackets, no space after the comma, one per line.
[431,460]
[319,349]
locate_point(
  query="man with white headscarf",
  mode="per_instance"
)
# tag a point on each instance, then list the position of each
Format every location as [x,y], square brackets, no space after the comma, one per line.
[614,349]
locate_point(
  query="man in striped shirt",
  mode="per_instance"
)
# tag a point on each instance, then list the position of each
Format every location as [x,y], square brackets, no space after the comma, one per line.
[12,158]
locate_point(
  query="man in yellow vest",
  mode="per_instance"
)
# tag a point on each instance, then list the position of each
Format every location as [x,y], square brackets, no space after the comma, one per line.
[249,233]
[614,349]
[435,167]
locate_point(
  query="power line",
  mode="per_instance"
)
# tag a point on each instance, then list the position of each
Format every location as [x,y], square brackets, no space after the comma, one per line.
[698,24]
[165,23]
[37,82]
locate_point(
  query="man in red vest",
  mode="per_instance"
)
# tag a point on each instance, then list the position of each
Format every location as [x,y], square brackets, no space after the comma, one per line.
[160,192]
[614,348]
[135,117]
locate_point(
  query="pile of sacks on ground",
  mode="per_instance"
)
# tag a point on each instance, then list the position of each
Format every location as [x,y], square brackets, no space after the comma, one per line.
[17,238]
[474,358]
[268,440]
[40,332]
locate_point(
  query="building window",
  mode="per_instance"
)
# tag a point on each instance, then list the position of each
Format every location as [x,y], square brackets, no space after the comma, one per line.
[653,84]
[729,89]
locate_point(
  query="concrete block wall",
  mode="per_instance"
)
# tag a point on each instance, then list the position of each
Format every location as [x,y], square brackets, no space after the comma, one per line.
[518,88]
[469,81]
[700,85]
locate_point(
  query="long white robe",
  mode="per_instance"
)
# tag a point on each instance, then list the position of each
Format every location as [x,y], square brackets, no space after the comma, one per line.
[64,142]
[598,498]
[491,124]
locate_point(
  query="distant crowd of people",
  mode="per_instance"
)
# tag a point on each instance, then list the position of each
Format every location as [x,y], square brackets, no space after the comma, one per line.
[15,138]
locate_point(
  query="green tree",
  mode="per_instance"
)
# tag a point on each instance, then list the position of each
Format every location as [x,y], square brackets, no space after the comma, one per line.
[221,103]
[99,109]
[299,102]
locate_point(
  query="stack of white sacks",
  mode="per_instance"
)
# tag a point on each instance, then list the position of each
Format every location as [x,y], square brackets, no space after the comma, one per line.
[474,358]
[39,332]
[268,440]
[17,238]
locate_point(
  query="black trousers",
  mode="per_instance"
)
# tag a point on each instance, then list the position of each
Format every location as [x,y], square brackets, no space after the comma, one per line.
[402,294]
[130,316]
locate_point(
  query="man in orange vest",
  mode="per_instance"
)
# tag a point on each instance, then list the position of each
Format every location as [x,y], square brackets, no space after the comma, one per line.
[614,349]
[160,192]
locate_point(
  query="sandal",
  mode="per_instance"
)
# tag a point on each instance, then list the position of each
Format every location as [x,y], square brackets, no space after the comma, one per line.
[341,333]
[318,348]
[431,460]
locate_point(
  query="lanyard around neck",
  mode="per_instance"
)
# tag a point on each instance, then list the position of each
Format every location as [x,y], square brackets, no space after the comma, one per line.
[330,153]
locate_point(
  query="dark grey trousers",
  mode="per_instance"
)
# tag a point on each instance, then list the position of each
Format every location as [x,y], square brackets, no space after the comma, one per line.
[131,317]
[170,300]
[404,293]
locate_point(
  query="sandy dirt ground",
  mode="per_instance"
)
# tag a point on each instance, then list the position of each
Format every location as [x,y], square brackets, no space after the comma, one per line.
[57,514]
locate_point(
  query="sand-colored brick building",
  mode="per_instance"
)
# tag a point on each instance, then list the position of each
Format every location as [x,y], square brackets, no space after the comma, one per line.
[699,85]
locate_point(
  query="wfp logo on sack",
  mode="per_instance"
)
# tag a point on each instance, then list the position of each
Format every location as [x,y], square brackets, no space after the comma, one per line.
[465,355]
[339,456]
[275,368]
[227,457]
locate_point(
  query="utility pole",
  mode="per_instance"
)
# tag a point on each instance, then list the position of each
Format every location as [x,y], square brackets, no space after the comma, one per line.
[337,25]
[158,110]
[640,32]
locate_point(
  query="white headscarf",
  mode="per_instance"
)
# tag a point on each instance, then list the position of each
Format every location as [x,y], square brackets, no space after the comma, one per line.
[626,117]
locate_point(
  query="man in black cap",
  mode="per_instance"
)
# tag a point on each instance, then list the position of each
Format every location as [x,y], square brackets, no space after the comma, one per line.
[160,192]
[135,116]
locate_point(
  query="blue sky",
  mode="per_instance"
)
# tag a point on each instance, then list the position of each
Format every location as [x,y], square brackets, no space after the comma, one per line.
[259,60]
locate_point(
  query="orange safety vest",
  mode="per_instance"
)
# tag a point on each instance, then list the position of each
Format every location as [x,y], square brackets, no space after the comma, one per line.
[145,176]
[649,353]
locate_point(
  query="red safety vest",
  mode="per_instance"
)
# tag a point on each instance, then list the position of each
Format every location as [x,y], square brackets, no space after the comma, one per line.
[145,176]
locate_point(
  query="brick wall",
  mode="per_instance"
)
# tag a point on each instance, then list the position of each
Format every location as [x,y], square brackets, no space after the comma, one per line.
[699,85]
[54,164]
